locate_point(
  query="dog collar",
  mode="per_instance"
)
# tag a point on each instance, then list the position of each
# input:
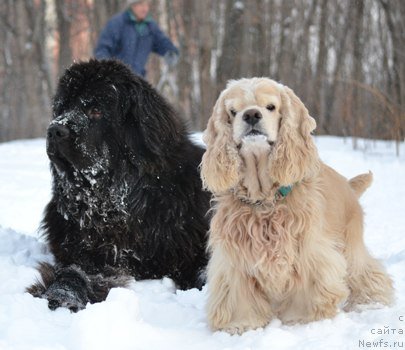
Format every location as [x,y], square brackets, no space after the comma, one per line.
[283,191]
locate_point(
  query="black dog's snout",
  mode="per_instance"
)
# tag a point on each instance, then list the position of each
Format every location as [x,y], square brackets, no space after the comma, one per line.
[58,132]
[252,116]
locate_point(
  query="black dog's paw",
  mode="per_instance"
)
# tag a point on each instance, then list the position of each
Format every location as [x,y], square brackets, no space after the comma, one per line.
[63,287]
[62,295]
[72,288]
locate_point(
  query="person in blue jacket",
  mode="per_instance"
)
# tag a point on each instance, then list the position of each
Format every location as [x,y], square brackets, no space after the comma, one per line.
[132,35]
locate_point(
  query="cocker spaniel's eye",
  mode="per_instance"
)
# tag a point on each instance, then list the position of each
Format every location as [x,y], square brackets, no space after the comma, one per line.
[94,113]
[271,107]
[233,112]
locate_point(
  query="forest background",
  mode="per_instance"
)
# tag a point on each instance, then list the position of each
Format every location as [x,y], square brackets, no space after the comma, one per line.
[345,59]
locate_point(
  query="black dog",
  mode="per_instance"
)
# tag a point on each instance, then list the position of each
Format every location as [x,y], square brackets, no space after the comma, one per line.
[127,197]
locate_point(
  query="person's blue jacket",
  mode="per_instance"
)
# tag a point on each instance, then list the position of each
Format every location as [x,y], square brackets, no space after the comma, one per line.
[132,42]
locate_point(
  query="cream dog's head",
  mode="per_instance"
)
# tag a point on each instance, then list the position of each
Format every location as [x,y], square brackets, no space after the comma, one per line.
[258,117]
[253,108]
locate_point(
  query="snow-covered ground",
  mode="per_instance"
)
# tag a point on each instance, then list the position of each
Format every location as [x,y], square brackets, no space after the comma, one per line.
[152,314]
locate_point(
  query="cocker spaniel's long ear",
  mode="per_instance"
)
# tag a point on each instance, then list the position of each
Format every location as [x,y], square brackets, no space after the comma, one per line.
[220,162]
[295,157]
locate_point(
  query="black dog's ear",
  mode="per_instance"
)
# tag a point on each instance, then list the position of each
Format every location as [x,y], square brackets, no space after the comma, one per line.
[153,131]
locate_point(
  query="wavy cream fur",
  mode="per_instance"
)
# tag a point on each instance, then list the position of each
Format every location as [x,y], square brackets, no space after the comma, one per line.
[300,258]
[220,164]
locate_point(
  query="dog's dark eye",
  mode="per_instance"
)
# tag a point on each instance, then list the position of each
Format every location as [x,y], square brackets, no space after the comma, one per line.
[271,107]
[94,113]
[233,112]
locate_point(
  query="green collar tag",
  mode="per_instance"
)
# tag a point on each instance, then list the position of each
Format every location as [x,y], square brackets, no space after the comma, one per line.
[284,190]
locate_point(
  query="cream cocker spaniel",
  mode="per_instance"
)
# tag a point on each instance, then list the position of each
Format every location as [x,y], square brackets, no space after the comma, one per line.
[286,238]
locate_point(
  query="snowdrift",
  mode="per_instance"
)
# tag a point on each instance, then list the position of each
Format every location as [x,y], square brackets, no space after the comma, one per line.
[152,314]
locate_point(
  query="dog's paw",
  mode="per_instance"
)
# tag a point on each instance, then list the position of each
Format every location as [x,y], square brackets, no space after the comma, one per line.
[316,315]
[242,327]
[58,296]
[67,287]
[234,329]
[70,289]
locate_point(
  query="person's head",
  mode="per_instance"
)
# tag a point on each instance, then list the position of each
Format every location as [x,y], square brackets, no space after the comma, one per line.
[140,8]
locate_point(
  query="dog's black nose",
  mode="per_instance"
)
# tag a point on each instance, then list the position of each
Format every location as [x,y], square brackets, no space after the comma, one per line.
[57,132]
[252,116]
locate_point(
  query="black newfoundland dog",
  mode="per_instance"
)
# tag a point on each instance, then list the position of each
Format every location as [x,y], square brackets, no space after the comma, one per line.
[127,196]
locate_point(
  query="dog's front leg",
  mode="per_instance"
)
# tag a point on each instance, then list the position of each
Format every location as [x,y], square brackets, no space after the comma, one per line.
[236,302]
[62,286]
[323,287]
[72,288]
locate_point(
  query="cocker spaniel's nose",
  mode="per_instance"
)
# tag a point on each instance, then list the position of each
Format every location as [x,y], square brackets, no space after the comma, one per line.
[252,116]
[57,132]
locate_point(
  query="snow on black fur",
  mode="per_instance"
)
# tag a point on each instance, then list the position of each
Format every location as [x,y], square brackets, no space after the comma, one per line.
[127,198]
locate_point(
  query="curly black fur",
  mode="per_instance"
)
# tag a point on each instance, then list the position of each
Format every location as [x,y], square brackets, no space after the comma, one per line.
[127,197]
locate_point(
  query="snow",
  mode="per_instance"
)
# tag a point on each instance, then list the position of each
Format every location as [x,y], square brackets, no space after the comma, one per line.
[152,314]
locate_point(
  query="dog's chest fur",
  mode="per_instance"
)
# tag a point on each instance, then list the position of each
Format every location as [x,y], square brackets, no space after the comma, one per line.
[255,184]
[257,240]
[93,204]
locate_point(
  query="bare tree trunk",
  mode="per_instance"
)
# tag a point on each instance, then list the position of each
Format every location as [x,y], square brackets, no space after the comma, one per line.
[261,41]
[320,72]
[99,12]
[25,75]
[205,48]
[396,31]
[229,64]
[63,20]
[357,73]
[341,44]
[283,50]
[305,66]
[184,28]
